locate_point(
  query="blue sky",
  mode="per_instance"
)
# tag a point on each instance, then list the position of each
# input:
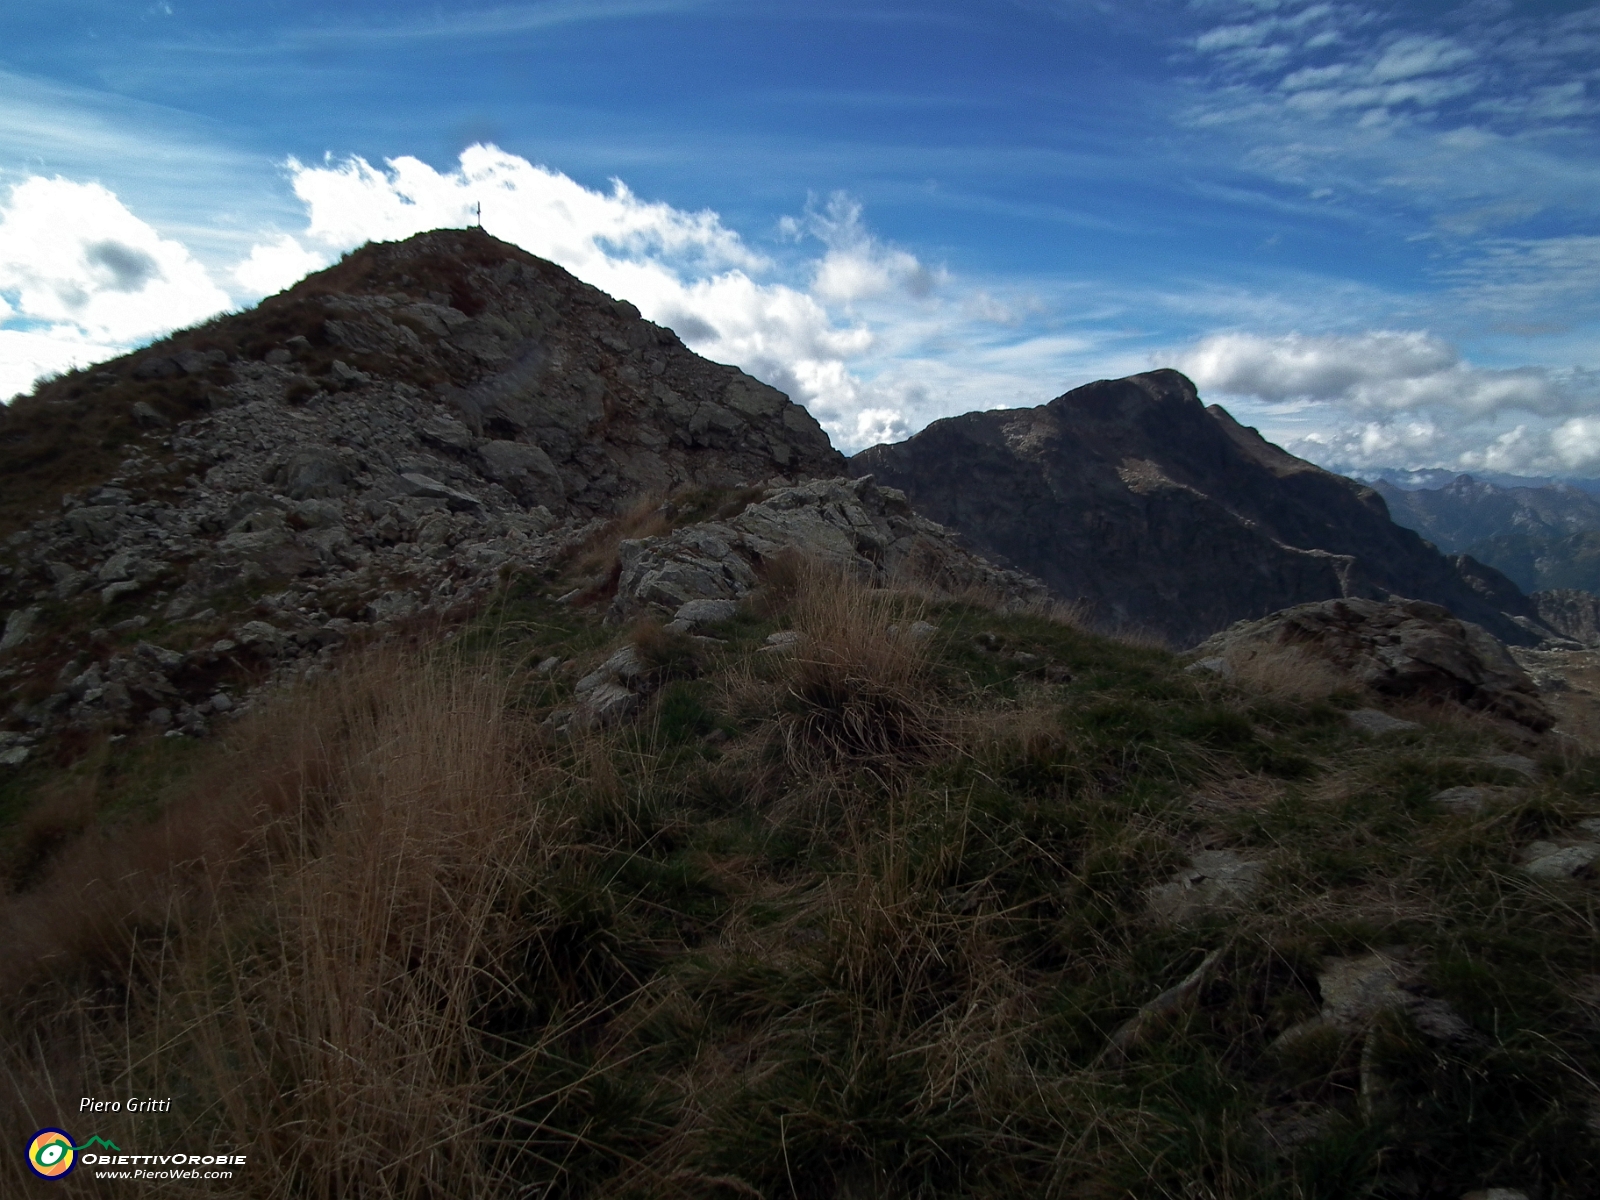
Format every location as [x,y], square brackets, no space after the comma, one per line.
[1372,230]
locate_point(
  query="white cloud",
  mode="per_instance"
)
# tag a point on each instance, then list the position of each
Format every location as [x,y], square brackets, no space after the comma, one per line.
[862,333]
[82,278]
[1473,116]
[856,266]
[1535,284]
[1379,370]
[1401,399]
[71,254]
[274,266]
[1570,447]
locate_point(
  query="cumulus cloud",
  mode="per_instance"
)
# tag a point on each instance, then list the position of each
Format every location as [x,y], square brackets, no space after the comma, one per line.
[1565,448]
[857,266]
[1379,370]
[275,265]
[851,327]
[1385,398]
[81,278]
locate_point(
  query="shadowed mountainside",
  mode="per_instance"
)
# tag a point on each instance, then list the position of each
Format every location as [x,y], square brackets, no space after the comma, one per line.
[1155,511]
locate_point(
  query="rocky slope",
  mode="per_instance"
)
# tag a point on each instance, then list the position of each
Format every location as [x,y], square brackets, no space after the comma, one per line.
[387,441]
[1159,513]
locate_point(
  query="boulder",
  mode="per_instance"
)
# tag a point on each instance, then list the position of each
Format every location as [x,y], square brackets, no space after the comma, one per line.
[1559,859]
[851,524]
[525,471]
[315,473]
[1377,722]
[1215,881]
[1357,988]
[1403,648]
[19,627]
[425,486]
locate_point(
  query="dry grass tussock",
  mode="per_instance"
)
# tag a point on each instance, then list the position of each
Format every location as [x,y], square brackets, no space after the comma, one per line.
[1288,671]
[854,689]
[302,944]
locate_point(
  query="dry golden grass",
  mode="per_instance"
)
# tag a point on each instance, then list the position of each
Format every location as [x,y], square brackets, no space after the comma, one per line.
[1288,671]
[308,937]
[853,690]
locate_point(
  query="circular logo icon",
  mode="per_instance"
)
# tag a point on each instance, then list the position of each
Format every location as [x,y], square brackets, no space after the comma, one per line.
[50,1154]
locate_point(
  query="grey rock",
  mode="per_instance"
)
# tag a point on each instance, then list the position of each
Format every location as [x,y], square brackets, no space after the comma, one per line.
[258,635]
[393,605]
[148,417]
[161,718]
[96,522]
[318,514]
[1357,988]
[1373,721]
[70,582]
[1551,860]
[120,565]
[610,701]
[1520,763]
[624,666]
[343,374]
[19,627]
[1215,665]
[525,471]
[14,756]
[312,473]
[415,484]
[113,592]
[1396,648]
[853,525]
[221,702]
[1216,881]
[164,660]
[706,612]
[448,434]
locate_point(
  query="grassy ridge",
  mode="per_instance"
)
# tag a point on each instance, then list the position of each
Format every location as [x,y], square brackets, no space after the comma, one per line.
[861,919]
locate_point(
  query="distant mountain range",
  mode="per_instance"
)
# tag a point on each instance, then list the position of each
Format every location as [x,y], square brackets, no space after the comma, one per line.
[1543,538]
[1412,480]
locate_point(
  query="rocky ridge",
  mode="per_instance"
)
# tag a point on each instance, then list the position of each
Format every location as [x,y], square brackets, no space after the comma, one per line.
[385,443]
